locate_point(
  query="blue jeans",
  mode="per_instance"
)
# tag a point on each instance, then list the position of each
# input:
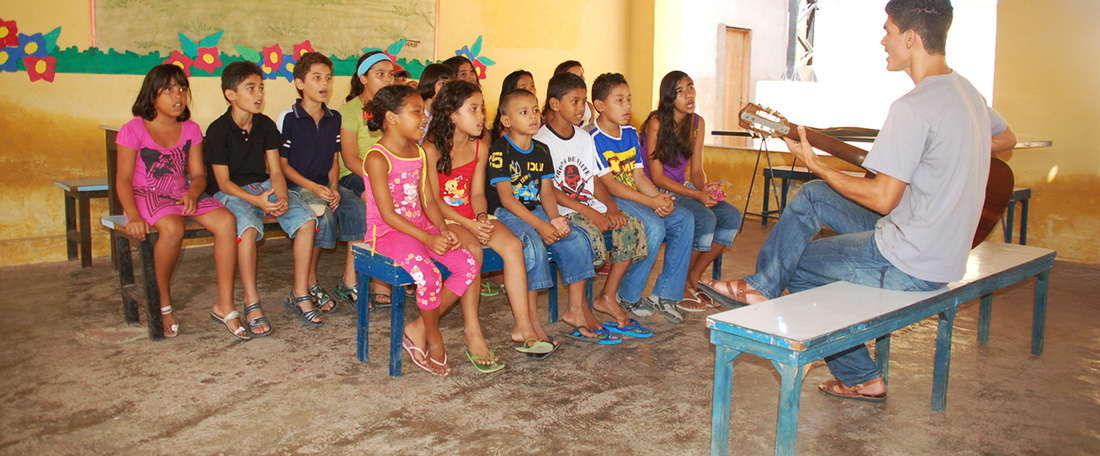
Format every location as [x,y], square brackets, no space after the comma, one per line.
[249,216]
[348,223]
[791,259]
[353,183]
[573,254]
[677,230]
[717,224]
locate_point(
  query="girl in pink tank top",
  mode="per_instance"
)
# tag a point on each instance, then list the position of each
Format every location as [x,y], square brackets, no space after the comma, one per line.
[404,222]
[456,161]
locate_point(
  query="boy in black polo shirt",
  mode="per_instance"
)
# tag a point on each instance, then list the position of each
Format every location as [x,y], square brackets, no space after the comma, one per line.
[312,133]
[241,146]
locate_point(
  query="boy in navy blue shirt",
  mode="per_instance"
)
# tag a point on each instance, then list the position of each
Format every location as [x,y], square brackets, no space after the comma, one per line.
[241,146]
[312,133]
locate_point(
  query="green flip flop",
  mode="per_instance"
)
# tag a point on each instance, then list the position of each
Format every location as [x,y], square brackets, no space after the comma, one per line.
[485,368]
[540,347]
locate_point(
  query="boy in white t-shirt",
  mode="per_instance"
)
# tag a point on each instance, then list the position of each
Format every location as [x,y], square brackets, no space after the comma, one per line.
[584,201]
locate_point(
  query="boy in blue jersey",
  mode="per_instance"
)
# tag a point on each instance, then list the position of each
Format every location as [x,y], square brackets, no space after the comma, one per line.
[617,144]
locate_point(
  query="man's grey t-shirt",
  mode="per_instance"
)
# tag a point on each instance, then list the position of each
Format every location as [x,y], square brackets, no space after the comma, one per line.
[937,138]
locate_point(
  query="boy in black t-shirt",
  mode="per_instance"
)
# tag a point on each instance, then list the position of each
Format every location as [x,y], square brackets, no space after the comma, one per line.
[522,172]
[242,146]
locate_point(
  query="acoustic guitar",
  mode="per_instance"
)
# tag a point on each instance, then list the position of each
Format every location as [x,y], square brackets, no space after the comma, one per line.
[998,190]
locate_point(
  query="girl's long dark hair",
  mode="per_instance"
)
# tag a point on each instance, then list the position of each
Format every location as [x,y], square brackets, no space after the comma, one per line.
[156,81]
[510,83]
[390,98]
[673,144]
[357,86]
[430,76]
[441,131]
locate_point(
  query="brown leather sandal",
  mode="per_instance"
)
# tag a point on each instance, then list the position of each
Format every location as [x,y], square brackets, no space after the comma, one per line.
[834,387]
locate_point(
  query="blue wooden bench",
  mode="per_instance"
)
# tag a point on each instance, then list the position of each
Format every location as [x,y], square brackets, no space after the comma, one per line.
[370,265]
[798,329]
[127,286]
[78,192]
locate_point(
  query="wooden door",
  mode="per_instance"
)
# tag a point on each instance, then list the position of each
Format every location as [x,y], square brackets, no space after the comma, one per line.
[736,90]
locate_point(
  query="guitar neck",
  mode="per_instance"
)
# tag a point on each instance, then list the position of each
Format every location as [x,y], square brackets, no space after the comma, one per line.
[833,146]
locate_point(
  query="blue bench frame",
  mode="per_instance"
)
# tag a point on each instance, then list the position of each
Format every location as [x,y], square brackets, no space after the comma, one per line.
[792,358]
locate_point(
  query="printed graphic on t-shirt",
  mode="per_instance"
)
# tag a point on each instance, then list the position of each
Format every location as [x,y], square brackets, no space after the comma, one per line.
[572,181]
[622,165]
[455,193]
[406,194]
[524,187]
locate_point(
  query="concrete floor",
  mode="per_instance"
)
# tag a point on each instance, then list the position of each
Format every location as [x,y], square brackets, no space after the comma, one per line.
[77,380]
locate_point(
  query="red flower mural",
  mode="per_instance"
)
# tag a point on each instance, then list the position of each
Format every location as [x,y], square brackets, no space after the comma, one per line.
[272,57]
[8,33]
[180,60]
[301,49]
[40,68]
[208,60]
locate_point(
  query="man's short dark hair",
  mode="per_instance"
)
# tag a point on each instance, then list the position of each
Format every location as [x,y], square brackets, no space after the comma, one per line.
[235,73]
[603,84]
[929,18]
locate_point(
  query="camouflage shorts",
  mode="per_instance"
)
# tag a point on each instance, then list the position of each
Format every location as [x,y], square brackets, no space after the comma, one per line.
[628,243]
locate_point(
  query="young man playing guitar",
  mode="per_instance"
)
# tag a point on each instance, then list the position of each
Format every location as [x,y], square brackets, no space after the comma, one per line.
[910,225]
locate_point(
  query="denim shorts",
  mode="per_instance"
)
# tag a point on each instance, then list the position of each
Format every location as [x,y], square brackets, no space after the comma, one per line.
[249,216]
[348,223]
[353,183]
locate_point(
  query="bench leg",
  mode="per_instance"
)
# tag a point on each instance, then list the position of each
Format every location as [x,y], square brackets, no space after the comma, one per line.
[362,332]
[1038,323]
[552,297]
[70,225]
[85,232]
[1006,222]
[985,315]
[720,408]
[716,269]
[152,291]
[1023,222]
[126,279]
[588,291]
[882,357]
[943,359]
[790,392]
[397,331]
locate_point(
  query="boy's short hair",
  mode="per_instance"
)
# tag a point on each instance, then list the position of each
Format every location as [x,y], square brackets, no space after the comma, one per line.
[565,66]
[929,18]
[235,73]
[509,97]
[603,84]
[562,83]
[301,68]
[402,74]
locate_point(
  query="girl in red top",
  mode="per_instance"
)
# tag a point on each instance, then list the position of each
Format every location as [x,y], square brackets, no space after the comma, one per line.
[456,161]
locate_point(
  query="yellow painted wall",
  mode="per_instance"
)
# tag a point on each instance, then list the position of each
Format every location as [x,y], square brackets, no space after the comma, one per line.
[50,131]
[1046,87]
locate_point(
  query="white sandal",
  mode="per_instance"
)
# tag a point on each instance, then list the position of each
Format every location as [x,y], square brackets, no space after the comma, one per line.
[241,333]
[167,310]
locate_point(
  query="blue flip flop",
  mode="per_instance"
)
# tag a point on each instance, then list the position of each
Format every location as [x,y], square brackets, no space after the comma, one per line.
[634,329]
[603,336]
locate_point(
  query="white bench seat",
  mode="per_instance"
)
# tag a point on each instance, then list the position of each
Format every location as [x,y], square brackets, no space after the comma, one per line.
[795,330]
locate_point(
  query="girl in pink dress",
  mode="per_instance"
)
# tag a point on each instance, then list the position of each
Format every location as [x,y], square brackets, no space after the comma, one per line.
[160,183]
[404,223]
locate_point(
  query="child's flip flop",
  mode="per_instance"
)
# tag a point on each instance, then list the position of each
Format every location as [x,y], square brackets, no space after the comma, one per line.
[603,337]
[485,368]
[634,329]
[553,348]
[539,347]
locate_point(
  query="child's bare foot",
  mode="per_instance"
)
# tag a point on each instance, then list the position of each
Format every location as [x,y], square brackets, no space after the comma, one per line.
[437,360]
[581,322]
[168,322]
[478,347]
[607,305]
[414,330]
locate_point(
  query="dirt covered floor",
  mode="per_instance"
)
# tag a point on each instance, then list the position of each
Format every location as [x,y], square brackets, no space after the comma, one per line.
[77,380]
